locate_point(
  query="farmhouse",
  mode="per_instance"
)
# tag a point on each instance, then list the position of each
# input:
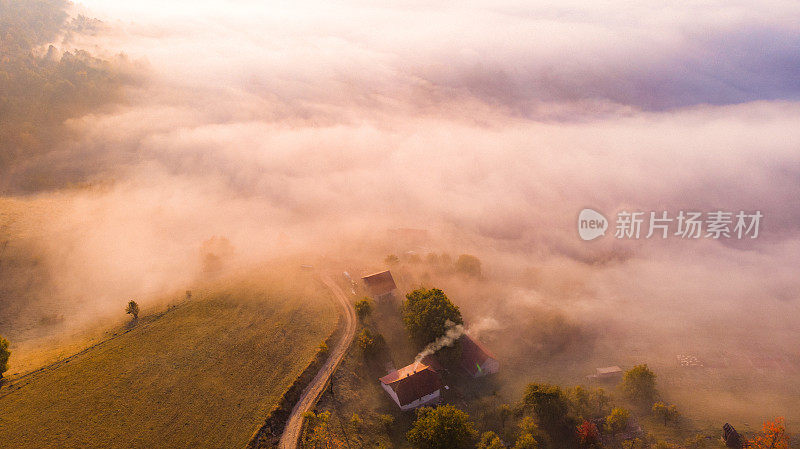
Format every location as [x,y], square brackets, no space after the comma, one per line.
[476,359]
[380,285]
[413,386]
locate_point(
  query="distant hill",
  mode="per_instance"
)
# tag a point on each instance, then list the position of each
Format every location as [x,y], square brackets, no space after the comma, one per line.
[41,86]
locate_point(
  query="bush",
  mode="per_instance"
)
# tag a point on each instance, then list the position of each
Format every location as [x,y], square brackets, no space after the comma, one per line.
[386,420]
[371,344]
[490,440]
[363,308]
[356,422]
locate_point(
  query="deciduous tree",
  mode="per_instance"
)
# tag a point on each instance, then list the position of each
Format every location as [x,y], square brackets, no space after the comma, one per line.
[371,343]
[133,309]
[639,384]
[363,308]
[442,427]
[426,313]
[617,421]
[588,435]
[526,441]
[490,440]
[551,407]
[773,436]
[665,412]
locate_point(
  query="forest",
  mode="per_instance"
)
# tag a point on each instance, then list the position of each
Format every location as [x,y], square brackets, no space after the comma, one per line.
[42,86]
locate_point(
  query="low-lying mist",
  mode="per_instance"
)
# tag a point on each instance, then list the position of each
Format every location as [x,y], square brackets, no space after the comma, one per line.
[312,129]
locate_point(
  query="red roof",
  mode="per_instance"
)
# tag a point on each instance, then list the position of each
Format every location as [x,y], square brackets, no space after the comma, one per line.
[413,382]
[473,354]
[380,283]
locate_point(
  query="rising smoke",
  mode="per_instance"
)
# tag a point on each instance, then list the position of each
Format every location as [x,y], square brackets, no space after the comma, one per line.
[452,333]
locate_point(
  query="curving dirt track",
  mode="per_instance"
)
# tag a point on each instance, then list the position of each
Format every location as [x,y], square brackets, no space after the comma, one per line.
[294,425]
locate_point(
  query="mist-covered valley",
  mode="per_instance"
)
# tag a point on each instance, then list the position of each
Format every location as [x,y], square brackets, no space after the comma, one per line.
[310,133]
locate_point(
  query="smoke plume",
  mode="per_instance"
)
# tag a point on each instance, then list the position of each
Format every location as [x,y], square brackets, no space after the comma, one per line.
[452,333]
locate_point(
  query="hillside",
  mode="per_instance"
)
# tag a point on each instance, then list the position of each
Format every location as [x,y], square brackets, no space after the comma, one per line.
[202,374]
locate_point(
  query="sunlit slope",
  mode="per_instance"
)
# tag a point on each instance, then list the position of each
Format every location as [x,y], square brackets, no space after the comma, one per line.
[204,374]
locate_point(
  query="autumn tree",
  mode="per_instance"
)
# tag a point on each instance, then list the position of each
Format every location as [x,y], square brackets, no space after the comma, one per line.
[526,441]
[363,308]
[133,309]
[589,403]
[551,407]
[426,313]
[617,421]
[320,434]
[490,440]
[588,435]
[371,343]
[773,436]
[5,353]
[665,412]
[442,427]
[639,384]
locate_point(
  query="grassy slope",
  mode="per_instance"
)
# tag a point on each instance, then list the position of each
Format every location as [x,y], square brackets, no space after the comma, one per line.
[204,374]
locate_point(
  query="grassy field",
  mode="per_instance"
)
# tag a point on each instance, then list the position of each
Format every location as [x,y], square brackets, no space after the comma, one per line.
[201,374]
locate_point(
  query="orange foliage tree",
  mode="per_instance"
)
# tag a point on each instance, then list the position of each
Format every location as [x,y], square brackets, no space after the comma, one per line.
[773,436]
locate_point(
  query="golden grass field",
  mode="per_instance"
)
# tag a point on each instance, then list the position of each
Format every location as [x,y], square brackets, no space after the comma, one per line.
[201,374]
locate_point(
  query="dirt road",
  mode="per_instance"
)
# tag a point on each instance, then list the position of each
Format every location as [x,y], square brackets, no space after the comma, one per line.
[294,425]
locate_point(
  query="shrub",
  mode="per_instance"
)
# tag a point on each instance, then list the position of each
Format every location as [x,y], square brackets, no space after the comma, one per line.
[363,308]
[371,344]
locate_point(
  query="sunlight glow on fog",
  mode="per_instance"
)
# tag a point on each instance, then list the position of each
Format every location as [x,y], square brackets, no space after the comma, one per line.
[313,128]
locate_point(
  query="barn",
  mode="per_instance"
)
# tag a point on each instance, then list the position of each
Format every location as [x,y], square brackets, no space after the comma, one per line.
[380,285]
[413,386]
[476,359]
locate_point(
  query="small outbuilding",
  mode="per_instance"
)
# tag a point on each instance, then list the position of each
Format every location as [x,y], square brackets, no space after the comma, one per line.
[608,373]
[413,386]
[476,359]
[380,285]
